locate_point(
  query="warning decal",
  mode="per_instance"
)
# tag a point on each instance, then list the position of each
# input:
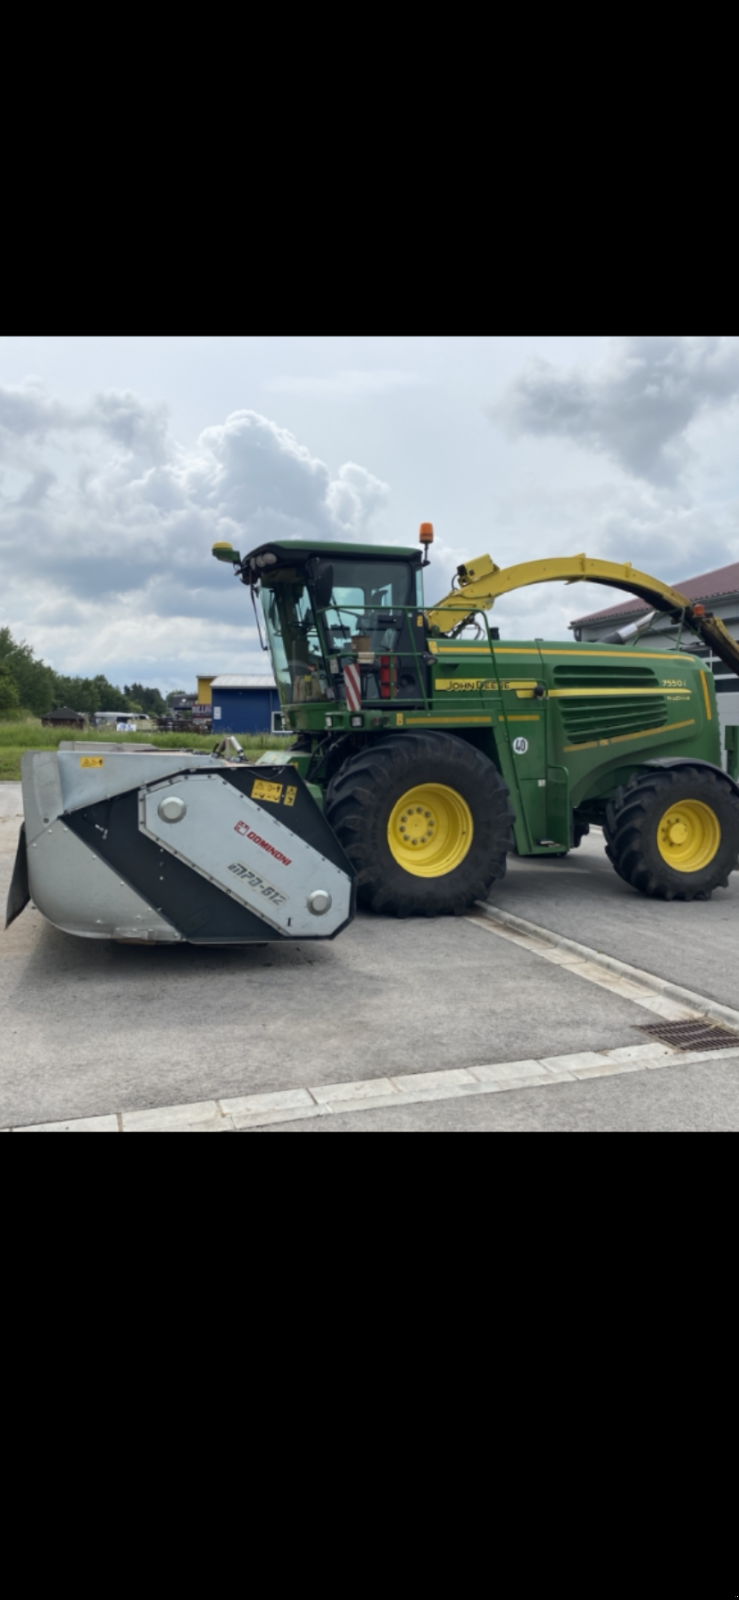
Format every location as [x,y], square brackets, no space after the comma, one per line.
[266,791]
[92,761]
[352,687]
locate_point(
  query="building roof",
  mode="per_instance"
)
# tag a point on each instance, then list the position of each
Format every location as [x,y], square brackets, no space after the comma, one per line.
[255,681]
[708,586]
[65,712]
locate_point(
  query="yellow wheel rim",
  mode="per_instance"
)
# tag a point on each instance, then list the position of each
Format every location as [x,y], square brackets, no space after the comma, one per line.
[430,830]
[688,835]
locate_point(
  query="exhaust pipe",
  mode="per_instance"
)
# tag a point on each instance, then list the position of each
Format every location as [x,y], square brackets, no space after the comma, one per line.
[632,631]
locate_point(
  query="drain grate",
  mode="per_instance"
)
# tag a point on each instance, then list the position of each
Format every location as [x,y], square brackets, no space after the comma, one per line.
[696,1035]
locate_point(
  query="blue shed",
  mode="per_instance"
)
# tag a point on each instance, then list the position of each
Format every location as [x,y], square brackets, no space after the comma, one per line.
[243,705]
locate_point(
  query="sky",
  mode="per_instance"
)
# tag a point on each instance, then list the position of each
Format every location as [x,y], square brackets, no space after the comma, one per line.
[123,459]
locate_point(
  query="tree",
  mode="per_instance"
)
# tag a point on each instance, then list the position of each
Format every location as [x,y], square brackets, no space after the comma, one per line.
[33,679]
[80,694]
[147,700]
[111,699]
[9,698]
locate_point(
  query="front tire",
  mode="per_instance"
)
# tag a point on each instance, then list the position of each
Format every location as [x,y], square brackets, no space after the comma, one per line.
[674,834]
[425,819]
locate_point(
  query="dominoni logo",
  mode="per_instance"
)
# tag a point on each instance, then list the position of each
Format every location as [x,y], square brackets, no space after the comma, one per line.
[248,833]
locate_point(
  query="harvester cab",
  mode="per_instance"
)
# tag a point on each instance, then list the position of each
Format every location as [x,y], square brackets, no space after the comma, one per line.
[343,625]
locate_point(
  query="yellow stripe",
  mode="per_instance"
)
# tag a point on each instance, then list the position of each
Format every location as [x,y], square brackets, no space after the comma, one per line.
[612,655]
[461,718]
[531,650]
[519,719]
[706,697]
[469,685]
[601,655]
[562,694]
[621,738]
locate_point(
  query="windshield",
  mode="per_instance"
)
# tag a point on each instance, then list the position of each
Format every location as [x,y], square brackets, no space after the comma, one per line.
[318,614]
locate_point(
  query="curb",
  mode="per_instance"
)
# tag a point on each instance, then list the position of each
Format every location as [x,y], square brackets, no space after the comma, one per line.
[672,991]
[245,1112]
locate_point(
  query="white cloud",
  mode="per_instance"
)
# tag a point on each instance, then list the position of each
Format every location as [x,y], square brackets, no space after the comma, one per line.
[27,411]
[348,384]
[119,537]
[635,407]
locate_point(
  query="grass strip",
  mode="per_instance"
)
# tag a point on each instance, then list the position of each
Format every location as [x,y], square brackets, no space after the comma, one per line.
[17,737]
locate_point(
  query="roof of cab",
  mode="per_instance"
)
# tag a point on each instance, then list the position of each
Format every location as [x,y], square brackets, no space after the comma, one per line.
[329,547]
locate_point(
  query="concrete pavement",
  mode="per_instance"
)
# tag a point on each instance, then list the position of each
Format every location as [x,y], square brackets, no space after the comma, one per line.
[89,1030]
[11,803]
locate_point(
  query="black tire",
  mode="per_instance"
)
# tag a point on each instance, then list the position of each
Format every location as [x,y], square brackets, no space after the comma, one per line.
[631,831]
[360,800]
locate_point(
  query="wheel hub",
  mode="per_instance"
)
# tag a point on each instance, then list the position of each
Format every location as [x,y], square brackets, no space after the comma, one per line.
[416,825]
[430,830]
[688,836]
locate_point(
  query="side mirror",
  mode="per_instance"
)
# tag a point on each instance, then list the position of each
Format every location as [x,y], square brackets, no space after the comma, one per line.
[324,584]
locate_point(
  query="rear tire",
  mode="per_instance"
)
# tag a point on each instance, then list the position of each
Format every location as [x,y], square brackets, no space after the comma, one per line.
[385,793]
[674,834]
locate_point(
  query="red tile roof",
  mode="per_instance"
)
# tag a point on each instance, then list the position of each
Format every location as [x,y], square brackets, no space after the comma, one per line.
[708,586]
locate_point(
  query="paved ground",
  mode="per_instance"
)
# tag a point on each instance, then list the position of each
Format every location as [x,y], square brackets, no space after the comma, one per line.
[10,802]
[580,896]
[90,1028]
